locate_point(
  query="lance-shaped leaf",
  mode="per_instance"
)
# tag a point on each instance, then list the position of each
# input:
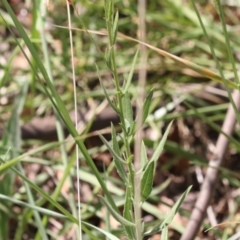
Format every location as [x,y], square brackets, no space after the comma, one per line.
[160,146]
[144,159]
[27,205]
[149,168]
[109,57]
[164,235]
[168,219]
[116,215]
[146,105]
[108,9]
[105,92]
[111,150]
[115,27]
[127,112]
[175,208]
[119,165]
[147,181]
[130,75]
[127,212]
[107,234]
[8,164]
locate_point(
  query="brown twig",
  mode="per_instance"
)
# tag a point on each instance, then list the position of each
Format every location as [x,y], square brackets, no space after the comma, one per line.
[210,180]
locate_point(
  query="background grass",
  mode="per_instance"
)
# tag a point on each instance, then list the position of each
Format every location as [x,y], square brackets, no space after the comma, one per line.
[193,101]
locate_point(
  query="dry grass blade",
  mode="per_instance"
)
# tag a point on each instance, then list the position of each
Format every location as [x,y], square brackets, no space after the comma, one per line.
[201,70]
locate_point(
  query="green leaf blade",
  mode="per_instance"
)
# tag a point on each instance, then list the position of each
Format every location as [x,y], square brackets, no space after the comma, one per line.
[130,75]
[115,27]
[116,215]
[109,147]
[45,195]
[127,112]
[144,158]
[146,105]
[127,212]
[105,92]
[119,165]
[160,146]
[168,219]
[147,181]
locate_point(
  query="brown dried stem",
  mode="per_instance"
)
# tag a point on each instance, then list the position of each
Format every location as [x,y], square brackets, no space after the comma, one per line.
[210,180]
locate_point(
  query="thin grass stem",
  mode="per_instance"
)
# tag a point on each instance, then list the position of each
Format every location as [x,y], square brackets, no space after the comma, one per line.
[79,229]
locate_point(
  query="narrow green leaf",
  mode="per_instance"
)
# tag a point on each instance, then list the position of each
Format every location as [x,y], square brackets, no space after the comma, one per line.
[164,235]
[216,4]
[119,165]
[107,234]
[115,27]
[45,195]
[89,233]
[109,19]
[39,209]
[130,75]
[146,105]
[108,9]
[127,112]
[7,69]
[108,58]
[116,215]
[130,159]
[8,164]
[56,99]
[159,149]
[105,93]
[16,144]
[168,219]
[117,157]
[14,122]
[13,140]
[105,8]
[144,158]
[155,229]
[127,212]
[147,181]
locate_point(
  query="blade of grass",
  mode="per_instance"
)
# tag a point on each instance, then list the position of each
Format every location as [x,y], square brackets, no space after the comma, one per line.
[40,15]
[45,195]
[116,215]
[107,234]
[57,102]
[33,207]
[215,58]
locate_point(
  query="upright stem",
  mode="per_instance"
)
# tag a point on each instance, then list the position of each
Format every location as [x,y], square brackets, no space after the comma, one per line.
[138,135]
